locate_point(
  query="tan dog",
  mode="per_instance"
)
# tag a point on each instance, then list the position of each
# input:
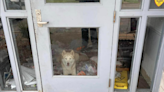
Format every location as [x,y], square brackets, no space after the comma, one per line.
[68,63]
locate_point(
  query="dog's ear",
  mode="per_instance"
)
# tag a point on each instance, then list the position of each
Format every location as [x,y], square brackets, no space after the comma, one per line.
[72,52]
[63,53]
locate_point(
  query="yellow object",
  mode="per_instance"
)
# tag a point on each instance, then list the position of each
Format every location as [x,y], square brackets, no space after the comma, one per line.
[159,2]
[122,82]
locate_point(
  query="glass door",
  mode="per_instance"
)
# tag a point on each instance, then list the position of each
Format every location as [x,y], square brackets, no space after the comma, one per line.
[81,45]
[74,41]
[19,69]
[137,46]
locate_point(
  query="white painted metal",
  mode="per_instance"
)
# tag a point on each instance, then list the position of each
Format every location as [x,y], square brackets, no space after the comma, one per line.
[33,45]
[137,55]
[114,51]
[16,14]
[10,47]
[75,15]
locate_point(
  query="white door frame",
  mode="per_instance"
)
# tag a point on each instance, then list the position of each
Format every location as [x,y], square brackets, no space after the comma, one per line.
[143,15]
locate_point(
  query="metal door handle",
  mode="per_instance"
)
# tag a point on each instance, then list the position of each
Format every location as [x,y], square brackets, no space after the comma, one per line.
[39,18]
[42,23]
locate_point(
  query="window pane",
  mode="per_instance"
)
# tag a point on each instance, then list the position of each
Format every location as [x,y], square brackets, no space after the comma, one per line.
[7,81]
[126,44]
[20,33]
[154,6]
[74,51]
[15,4]
[70,1]
[153,39]
[131,4]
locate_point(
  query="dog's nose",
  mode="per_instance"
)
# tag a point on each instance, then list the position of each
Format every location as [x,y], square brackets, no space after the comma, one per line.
[67,64]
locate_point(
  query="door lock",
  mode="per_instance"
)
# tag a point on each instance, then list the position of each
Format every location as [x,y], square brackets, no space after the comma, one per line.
[39,18]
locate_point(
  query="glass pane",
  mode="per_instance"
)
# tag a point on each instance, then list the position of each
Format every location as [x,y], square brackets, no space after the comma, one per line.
[7,81]
[126,46]
[74,51]
[152,44]
[154,6]
[70,1]
[20,33]
[15,4]
[131,4]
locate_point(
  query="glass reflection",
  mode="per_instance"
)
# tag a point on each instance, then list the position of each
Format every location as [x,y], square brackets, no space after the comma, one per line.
[15,4]
[7,81]
[74,51]
[126,43]
[131,4]
[152,44]
[21,38]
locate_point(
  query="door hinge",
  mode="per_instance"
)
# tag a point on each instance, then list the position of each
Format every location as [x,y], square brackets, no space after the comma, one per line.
[109,82]
[114,17]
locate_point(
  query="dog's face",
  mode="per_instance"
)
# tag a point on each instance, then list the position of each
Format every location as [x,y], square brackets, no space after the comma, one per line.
[68,58]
